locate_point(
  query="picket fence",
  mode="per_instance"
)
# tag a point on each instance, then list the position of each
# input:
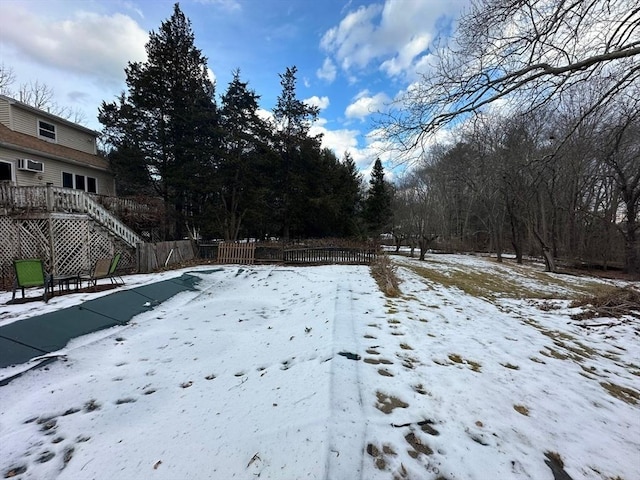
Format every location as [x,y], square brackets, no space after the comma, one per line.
[248,253]
[238,253]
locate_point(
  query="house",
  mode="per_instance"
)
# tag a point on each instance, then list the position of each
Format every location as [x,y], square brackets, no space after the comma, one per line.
[57,196]
[39,149]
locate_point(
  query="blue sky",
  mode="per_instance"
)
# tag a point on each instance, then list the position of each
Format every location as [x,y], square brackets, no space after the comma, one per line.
[353,57]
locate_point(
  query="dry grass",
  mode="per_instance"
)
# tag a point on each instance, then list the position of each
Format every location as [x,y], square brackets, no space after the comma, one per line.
[490,283]
[387,403]
[384,273]
[614,302]
[474,366]
[625,394]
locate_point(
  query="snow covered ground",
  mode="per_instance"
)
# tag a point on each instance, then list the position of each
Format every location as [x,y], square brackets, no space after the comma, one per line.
[475,372]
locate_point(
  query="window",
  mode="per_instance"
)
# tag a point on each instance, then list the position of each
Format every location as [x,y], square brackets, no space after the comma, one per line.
[67,180]
[46,130]
[5,171]
[92,185]
[79,182]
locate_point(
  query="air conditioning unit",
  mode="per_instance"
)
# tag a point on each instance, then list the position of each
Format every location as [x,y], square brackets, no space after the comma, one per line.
[30,165]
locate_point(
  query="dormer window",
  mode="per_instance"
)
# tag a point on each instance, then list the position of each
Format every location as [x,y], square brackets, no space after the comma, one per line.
[46,131]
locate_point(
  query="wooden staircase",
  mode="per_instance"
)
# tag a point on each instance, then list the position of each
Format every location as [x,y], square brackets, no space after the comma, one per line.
[63,200]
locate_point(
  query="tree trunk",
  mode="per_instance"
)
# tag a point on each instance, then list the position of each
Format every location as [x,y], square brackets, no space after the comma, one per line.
[549,262]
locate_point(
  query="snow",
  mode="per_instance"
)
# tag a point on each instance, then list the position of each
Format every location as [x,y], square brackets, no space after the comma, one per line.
[287,373]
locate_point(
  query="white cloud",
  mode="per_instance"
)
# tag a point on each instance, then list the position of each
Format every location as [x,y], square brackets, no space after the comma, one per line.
[340,141]
[406,56]
[211,75]
[87,43]
[346,140]
[354,41]
[315,101]
[134,8]
[328,71]
[229,5]
[396,35]
[365,105]
[266,115]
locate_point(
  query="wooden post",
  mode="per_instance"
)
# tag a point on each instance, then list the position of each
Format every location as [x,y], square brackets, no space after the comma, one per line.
[49,197]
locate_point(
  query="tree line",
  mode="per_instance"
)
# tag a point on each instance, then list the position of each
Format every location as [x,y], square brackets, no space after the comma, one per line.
[222,170]
[544,116]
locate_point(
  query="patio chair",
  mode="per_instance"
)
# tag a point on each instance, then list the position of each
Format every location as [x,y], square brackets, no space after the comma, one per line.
[100,270]
[115,278]
[30,273]
[104,268]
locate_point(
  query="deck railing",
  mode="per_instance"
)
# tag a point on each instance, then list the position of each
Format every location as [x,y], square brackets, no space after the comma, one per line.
[56,199]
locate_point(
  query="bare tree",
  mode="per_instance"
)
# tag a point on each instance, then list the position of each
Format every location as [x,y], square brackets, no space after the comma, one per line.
[526,51]
[39,95]
[36,94]
[7,78]
[621,155]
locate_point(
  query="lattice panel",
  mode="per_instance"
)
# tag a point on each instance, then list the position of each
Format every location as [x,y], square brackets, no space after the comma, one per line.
[128,258]
[70,244]
[33,239]
[8,251]
[100,244]
[77,243]
[9,236]
[104,245]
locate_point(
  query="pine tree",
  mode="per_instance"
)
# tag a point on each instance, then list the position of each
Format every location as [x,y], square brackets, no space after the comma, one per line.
[378,213]
[349,189]
[169,114]
[244,138]
[293,120]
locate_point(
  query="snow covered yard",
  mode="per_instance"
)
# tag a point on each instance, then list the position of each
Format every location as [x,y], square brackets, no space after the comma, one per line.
[476,371]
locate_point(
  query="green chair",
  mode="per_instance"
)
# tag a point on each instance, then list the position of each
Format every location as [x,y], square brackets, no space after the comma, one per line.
[104,268]
[30,273]
[115,279]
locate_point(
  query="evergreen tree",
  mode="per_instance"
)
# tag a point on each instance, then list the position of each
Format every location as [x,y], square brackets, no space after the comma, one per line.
[293,120]
[169,115]
[244,138]
[349,189]
[378,213]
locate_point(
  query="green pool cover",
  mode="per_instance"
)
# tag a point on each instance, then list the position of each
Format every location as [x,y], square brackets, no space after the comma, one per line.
[36,336]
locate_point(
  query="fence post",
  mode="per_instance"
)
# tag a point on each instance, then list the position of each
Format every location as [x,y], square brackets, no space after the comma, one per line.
[49,196]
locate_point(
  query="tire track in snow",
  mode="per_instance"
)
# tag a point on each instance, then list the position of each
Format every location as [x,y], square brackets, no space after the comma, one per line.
[347,427]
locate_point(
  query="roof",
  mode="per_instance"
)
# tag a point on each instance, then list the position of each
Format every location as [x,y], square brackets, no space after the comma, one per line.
[16,103]
[35,146]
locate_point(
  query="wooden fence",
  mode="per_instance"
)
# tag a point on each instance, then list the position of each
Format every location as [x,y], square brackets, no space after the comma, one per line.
[329,255]
[252,252]
[241,253]
[154,256]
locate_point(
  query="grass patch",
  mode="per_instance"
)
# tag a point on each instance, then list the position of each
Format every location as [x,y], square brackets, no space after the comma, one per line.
[510,366]
[491,283]
[387,403]
[625,394]
[554,354]
[418,446]
[419,388]
[522,410]
[455,358]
